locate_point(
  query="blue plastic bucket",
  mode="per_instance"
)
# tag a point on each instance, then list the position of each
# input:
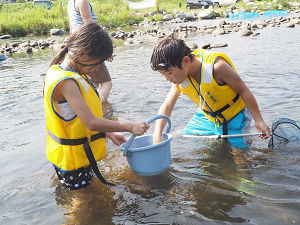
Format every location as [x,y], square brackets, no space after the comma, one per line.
[146,159]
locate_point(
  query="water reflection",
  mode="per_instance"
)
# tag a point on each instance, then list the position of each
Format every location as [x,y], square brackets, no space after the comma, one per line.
[92,205]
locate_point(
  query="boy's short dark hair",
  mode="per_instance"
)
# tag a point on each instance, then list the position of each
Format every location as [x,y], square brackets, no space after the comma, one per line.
[169,52]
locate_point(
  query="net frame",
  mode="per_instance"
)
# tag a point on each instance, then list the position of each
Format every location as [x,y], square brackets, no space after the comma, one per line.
[284,130]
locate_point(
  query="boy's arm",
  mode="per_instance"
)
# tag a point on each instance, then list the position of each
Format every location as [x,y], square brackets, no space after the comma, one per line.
[165,109]
[224,73]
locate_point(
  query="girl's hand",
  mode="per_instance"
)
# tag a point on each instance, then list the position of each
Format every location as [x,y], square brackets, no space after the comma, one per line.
[116,138]
[139,128]
[110,59]
[263,127]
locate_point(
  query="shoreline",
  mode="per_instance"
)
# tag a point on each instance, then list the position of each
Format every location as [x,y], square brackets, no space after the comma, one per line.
[149,30]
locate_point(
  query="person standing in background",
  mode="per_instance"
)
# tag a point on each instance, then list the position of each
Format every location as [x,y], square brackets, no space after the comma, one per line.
[81,12]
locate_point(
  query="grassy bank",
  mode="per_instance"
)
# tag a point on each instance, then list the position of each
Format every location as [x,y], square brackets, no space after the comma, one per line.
[21,19]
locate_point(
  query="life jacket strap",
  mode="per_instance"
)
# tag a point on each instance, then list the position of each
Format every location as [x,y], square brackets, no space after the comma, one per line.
[234,100]
[93,164]
[77,141]
[219,112]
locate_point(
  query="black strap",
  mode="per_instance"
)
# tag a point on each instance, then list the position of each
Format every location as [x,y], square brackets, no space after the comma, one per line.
[227,105]
[219,112]
[77,141]
[93,164]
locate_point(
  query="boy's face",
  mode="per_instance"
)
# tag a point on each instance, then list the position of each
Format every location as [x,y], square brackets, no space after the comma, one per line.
[175,74]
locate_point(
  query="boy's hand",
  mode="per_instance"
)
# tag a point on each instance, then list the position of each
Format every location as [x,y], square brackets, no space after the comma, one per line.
[263,127]
[116,138]
[139,128]
[157,139]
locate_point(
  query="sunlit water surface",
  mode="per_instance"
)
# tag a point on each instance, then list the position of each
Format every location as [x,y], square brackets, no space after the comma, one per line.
[205,184]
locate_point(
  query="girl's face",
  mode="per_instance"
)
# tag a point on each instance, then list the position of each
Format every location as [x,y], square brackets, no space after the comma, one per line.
[88,66]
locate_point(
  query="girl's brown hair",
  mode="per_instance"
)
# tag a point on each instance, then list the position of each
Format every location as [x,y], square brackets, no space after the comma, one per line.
[89,38]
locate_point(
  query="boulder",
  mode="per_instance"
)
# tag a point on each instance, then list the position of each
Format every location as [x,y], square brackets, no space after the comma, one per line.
[7,36]
[205,14]
[57,32]
[168,17]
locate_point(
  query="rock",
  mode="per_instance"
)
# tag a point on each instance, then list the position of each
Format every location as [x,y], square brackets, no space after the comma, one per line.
[296,21]
[209,31]
[24,44]
[205,14]
[255,34]
[192,46]
[218,31]
[7,36]
[190,16]
[206,46]
[219,45]
[15,44]
[168,17]
[290,24]
[222,23]
[34,44]
[181,15]
[57,32]
[245,32]
[232,7]
[45,44]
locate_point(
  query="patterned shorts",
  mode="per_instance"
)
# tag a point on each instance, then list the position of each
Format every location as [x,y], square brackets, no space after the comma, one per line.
[75,179]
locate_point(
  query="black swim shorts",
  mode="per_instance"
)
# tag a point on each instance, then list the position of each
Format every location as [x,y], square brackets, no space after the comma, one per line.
[75,179]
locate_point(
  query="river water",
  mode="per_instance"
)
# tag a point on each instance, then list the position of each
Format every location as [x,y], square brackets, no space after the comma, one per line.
[205,184]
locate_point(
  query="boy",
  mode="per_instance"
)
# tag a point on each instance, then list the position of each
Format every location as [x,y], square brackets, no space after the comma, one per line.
[226,105]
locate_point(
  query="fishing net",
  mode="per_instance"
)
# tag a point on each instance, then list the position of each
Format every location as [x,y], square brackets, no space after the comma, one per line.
[285,134]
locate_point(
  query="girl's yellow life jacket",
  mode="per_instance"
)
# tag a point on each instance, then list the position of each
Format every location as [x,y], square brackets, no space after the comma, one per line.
[66,138]
[217,102]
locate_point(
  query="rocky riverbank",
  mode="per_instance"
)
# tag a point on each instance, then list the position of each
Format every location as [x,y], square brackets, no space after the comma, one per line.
[147,30]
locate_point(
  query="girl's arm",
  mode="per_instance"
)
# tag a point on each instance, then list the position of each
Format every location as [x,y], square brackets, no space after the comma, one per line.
[224,73]
[165,109]
[70,91]
[83,7]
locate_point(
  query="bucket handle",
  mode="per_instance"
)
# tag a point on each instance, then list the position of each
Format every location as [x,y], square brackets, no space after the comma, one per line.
[125,153]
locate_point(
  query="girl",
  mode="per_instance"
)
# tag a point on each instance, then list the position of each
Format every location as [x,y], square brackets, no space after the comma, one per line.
[75,124]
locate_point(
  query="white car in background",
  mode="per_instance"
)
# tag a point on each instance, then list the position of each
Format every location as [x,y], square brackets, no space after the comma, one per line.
[219,3]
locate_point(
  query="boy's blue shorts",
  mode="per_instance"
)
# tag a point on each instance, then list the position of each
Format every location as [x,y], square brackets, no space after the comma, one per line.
[240,124]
